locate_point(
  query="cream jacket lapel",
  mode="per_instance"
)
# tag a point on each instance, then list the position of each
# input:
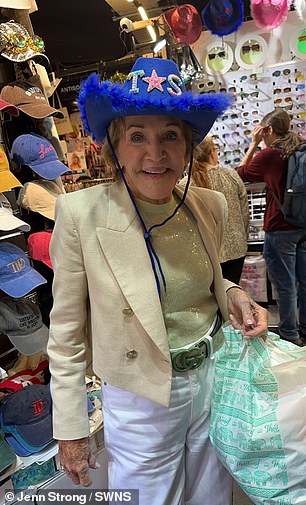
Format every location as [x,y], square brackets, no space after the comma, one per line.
[124,246]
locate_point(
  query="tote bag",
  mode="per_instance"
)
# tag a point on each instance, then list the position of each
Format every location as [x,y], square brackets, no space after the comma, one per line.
[258,419]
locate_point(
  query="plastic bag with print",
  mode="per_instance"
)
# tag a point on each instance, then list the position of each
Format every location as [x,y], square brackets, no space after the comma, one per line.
[258,419]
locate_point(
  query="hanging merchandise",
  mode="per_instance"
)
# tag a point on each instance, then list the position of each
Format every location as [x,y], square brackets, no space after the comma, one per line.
[219,57]
[63,125]
[39,245]
[222,17]
[7,179]
[251,51]
[8,107]
[258,424]
[21,321]
[39,154]
[298,42]
[16,44]
[7,219]
[28,99]
[185,23]
[40,196]
[269,14]
[17,277]
[300,7]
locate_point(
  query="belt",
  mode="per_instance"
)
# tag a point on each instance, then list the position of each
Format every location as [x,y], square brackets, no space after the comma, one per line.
[192,356]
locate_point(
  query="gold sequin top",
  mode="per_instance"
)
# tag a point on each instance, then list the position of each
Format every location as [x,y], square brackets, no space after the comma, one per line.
[188,305]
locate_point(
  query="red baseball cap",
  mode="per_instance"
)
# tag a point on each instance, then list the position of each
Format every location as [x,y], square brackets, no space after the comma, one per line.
[9,107]
[39,244]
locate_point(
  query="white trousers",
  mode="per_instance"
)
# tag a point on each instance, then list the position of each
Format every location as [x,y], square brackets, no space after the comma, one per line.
[165,452]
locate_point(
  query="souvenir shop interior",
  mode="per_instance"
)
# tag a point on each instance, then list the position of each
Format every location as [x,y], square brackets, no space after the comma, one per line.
[45,152]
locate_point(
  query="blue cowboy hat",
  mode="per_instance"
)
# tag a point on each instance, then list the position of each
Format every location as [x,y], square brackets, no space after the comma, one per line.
[222,17]
[153,87]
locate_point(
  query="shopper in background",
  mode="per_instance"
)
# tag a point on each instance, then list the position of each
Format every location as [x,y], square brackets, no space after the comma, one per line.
[139,260]
[208,173]
[285,245]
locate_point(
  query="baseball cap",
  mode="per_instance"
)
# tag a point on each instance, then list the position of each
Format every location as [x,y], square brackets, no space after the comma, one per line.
[21,321]
[7,179]
[7,455]
[23,449]
[29,99]
[27,416]
[39,154]
[7,219]
[38,197]
[39,244]
[16,44]
[9,107]
[17,277]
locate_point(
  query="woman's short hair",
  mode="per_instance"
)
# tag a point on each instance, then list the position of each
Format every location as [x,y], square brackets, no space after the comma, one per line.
[117,129]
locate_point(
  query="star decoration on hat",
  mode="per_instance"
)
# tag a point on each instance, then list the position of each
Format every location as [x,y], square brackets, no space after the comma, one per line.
[154,81]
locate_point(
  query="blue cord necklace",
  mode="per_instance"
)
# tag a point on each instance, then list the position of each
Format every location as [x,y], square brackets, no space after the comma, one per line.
[155,261]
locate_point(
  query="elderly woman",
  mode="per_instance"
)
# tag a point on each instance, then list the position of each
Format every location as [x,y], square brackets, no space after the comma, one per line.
[137,262]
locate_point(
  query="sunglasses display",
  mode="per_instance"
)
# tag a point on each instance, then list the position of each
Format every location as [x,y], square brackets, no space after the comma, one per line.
[231,116]
[254,122]
[220,54]
[251,47]
[255,95]
[287,99]
[254,112]
[277,73]
[285,90]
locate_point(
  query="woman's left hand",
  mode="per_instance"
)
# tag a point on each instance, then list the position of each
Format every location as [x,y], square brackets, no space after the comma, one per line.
[245,314]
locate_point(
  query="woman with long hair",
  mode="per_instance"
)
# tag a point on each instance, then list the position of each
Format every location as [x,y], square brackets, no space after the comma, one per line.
[208,173]
[285,245]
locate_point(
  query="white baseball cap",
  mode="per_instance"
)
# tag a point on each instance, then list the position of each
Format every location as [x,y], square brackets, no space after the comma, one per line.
[7,219]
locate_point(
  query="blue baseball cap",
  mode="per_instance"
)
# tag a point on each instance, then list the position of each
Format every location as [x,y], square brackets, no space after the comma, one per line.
[17,277]
[27,416]
[39,154]
[22,449]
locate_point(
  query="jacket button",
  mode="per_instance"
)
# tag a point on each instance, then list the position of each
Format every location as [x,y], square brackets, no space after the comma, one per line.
[128,311]
[132,354]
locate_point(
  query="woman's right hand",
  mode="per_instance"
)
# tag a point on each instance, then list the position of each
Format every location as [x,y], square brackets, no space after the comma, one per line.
[76,459]
[257,134]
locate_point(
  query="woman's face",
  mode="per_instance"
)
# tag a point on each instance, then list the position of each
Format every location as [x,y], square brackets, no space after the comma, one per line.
[152,154]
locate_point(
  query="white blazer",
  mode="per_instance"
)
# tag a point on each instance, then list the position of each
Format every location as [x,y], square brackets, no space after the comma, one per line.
[103,280]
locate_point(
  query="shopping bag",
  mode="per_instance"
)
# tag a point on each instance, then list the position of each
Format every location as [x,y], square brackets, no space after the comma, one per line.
[258,418]
[63,125]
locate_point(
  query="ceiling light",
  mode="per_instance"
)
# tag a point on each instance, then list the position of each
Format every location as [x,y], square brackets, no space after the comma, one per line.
[142,12]
[152,33]
[160,44]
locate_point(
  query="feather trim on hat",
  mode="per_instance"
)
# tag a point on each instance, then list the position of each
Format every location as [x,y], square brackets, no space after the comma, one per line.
[124,103]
